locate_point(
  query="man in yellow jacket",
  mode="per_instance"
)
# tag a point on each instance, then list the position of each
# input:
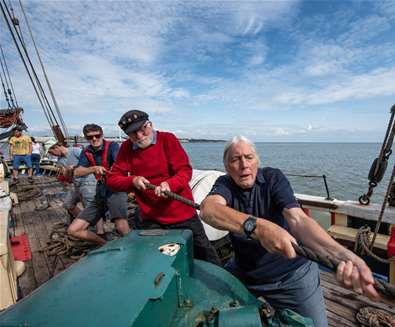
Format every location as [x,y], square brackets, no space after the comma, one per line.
[20,149]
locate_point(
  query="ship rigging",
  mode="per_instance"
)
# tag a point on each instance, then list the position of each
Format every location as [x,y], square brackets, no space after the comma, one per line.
[48,104]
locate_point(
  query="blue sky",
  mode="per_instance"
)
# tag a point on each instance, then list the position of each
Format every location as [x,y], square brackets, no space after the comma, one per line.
[270,70]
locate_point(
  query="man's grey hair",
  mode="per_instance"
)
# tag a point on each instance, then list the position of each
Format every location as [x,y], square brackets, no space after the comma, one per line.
[236,140]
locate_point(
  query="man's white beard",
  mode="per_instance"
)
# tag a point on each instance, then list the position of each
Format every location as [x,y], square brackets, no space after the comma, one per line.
[145,143]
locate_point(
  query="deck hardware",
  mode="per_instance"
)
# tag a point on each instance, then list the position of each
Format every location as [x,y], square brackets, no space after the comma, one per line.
[328,197]
[187,303]
[170,249]
[182,300]
[266,311]
[211,315]
[379,165]
[234,304]
[159,278]
[153,232]
[383,207]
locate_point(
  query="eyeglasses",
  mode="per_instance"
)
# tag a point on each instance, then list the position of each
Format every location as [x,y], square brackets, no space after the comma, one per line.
[91,137]
[142,129]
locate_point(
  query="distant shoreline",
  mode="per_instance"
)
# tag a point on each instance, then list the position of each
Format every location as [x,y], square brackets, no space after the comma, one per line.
[81,139]
[188,140]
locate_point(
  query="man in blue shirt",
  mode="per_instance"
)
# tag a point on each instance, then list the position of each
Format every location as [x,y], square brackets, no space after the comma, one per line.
[258,207]
[97,159]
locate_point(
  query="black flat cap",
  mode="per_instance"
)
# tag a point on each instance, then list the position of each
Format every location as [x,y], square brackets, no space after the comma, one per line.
[132,120]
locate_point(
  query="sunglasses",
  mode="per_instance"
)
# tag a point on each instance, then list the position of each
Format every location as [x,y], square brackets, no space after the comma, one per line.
[91,137]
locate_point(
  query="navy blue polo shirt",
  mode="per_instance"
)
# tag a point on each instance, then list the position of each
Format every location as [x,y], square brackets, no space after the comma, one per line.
[268,197]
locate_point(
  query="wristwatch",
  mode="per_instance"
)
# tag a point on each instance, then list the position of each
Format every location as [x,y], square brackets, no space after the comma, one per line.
[249,226]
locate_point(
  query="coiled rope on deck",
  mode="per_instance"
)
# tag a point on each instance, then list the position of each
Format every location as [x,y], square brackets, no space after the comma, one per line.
[373,317]
[61,244]
[28,193]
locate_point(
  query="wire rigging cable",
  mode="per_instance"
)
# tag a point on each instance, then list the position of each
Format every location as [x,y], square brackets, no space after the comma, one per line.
[44,71]
[45,101]
[15,21]
[3,9]
[10,91]
[5,92]
[17,37]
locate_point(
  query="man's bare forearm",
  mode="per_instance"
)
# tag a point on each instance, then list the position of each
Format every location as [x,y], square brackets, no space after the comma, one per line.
[272,237]
[222,217]
[308,231]
[83,171]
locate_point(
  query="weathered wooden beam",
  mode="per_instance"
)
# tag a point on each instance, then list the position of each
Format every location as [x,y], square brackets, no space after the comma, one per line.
[348,208]
[7,266]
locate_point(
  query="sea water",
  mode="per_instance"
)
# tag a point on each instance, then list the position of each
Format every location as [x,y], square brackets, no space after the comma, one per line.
[345,165]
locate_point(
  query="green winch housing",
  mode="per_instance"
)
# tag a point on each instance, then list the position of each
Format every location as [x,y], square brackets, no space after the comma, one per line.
[148,278]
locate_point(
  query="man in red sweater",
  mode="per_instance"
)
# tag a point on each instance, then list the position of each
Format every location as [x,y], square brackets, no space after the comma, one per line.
[156,157]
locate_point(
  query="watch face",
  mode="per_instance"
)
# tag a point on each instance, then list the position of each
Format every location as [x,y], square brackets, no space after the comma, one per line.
[249,225]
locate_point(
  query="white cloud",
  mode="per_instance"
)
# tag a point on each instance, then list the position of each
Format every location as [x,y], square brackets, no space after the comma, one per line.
[365,29]
[323,68]
[201,58]
[372,84]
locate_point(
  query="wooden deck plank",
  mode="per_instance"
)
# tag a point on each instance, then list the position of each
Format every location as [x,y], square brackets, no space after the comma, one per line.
[20,227]
[39,261]
[338,321]
[27,283]
[329,283]
[36,226]
[340,310]
[342,304]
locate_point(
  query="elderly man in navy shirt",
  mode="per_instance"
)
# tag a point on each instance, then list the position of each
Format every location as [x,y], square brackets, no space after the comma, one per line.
[258,207]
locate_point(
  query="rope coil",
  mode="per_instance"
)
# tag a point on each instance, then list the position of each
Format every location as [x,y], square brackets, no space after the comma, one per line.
[362,244]
[368,316]
[61,244]
[28,193]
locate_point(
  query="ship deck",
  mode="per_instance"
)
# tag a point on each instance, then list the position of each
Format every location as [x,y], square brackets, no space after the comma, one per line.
[38,215]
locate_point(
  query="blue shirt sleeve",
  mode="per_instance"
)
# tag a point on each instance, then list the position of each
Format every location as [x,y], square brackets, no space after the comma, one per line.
[83,162]
[222,187]
[114,148]
[282,192]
